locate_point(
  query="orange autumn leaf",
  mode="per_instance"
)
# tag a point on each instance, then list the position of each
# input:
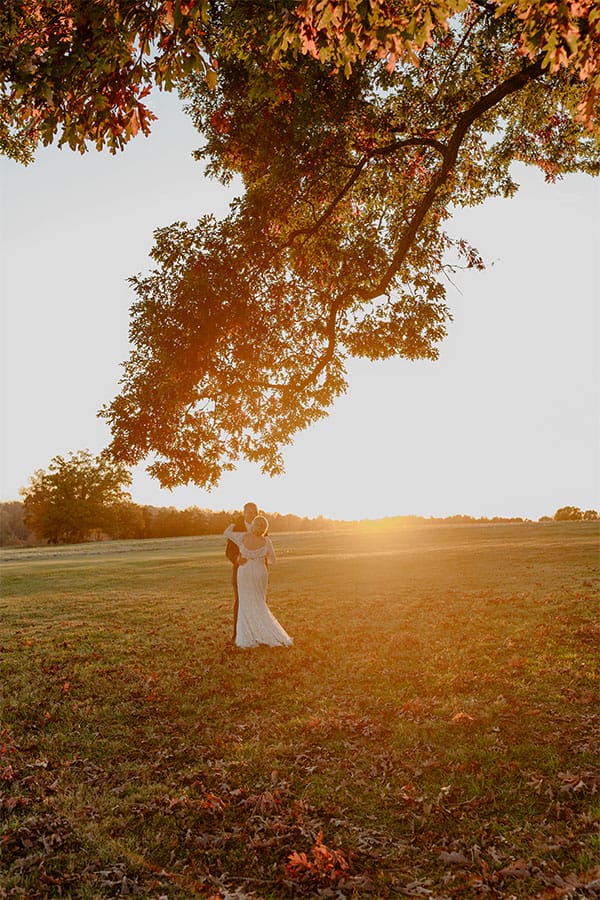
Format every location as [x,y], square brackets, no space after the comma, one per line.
[462,717]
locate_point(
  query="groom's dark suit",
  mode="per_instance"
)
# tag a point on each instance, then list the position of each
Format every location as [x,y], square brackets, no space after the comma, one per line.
[232,552]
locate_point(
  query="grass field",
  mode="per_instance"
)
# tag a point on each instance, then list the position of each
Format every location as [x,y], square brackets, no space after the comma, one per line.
[432,733]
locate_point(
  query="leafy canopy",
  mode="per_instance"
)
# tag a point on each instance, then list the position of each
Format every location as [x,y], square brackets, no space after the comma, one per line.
[357,126]
[81,69]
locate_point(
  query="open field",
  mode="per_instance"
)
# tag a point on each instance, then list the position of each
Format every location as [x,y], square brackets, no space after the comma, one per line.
[434,732]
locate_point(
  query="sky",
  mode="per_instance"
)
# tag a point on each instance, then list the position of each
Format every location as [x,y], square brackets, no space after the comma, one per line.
[506,422]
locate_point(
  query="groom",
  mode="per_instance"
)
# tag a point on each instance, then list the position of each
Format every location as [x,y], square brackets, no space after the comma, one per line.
[233,554]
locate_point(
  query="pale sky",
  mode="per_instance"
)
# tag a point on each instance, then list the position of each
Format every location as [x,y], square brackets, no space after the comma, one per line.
[506,422]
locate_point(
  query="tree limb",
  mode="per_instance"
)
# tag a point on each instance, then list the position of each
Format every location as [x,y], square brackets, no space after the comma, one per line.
[511,85]
[358,169]
[514,83]
[455,56]
[410,142]
[326,214]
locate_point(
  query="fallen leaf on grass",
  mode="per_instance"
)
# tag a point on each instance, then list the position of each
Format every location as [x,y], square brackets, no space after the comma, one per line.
[414,707]
[180,805]
[454,858]
[38,764]
[518,869]
[346,722]
[232,895]
[11,803]
[117,880]
[589,632]
[583,782]
[588,883]
[265,803]
[324,866]
[41,834]
[418,888]
[462,718]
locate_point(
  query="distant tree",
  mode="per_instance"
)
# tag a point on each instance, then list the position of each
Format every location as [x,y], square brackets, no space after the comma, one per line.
[545,519]
[128,522]
[590,515]
[194,521]
[13,530]
[75,497]
[568,514]
[166,523]
[148,513]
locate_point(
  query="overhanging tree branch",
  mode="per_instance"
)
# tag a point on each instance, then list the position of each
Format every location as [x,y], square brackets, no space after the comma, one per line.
[389,149]
[455,56]
[512,84]
[450,153]
[337,248]
[409,142]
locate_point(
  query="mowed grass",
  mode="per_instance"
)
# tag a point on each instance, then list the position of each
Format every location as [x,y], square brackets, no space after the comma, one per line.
[433,732]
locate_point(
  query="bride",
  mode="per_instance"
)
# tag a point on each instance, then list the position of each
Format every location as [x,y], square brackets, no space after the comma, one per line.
[256,624]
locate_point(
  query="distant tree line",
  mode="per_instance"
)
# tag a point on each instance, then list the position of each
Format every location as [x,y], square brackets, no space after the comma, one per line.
[131,521]
[83,498]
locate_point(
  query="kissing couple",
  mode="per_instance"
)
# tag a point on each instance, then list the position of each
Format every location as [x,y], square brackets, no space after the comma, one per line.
[250,550]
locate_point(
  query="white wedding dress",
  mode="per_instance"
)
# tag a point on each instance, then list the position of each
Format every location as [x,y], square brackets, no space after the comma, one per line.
[256,624]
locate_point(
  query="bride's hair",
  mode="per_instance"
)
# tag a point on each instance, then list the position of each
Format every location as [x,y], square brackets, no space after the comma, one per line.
[259,526]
